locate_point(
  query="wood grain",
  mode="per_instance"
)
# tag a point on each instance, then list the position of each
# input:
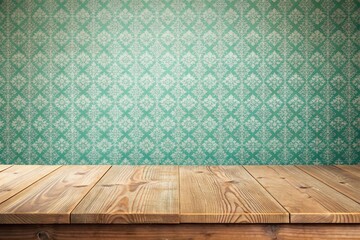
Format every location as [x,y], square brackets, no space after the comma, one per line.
[51,199]
[3,167]
[132,194]
[225,194]
[307,199]
[337,178]
[181,232]
[318,232]
[354,169]
[16,178]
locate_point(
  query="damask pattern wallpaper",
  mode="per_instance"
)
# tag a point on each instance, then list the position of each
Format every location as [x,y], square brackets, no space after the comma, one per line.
[179,82]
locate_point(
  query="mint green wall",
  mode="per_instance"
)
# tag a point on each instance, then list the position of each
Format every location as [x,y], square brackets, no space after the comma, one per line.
[179,82]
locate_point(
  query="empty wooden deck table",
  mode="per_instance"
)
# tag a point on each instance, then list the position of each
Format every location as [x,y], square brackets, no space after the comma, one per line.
[179,202]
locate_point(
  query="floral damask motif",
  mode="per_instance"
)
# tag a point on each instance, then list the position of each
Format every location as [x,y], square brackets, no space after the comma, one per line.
[179,82]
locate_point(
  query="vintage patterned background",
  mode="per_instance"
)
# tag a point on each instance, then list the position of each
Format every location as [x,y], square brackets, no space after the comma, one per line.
[180,82]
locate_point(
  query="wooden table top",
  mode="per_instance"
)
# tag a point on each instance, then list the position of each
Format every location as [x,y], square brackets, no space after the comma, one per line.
[179,194]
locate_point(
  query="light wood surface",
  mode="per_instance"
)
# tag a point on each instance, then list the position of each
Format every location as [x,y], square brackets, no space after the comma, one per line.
[182,231]
[354,169]
[51,199]
[225,194]
[337,178]
[307,199]
[15,179]
[3,167]
[132,194]
[172,194]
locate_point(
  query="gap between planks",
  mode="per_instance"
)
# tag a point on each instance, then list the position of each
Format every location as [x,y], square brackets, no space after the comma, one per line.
[180,188]
[312,201]
[4,167]
[330,175]
[132,194]
[289,214]
[88,192]
[25,183]
[52,199]
[226,194]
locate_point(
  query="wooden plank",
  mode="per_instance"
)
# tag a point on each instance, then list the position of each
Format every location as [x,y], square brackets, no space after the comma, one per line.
[337,178]
[138,232]
[51,199]
[225,194]
[318,231]
[19,177]
[307,199]
[354,169]
[3,167]
[132,194]
[181,231]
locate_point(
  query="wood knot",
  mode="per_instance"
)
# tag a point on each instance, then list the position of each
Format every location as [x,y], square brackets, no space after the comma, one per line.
[231,181]
[43,235]
[80,186]
[305,187]
[342,182]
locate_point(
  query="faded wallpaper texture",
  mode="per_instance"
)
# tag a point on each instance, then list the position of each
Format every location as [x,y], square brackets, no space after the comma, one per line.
[179,82]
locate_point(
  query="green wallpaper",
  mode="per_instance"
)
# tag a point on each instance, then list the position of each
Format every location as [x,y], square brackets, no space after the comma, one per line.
[179,82]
